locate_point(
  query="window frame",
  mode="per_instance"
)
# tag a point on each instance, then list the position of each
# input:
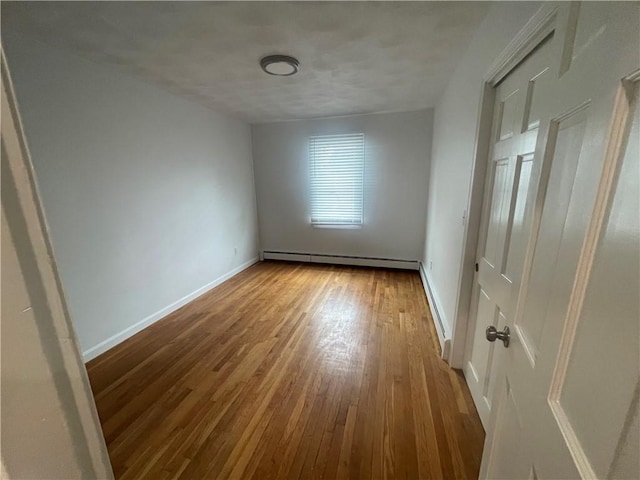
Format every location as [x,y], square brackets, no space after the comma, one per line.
[336,224]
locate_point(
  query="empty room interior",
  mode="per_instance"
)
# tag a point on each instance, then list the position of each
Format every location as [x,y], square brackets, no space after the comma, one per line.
[306,240]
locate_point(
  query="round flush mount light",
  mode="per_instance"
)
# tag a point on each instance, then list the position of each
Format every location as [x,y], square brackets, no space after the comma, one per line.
[280,65]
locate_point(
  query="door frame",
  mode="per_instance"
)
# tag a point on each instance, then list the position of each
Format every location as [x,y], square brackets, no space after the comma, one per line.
[539,26]
[72,383]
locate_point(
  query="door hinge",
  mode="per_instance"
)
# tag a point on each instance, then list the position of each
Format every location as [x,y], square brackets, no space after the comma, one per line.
[476,266]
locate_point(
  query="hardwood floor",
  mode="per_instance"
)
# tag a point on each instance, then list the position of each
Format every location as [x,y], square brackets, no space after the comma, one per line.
[290,371]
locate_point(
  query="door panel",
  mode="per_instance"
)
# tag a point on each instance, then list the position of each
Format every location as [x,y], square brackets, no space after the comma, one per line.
[508,115]
[532,109]
[501,193]
[516,243]
[592,25]
[483,349]
[567,135]
[507,462]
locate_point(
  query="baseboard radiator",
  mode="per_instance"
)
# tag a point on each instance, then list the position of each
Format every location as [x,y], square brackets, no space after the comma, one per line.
[444,337]
[341,260]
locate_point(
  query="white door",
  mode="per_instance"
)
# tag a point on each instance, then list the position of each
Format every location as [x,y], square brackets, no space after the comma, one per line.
[503,240]
[565,403]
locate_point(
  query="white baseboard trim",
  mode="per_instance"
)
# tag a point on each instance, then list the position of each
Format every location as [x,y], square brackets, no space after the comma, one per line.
[444,336]
[114,340]
[341,260]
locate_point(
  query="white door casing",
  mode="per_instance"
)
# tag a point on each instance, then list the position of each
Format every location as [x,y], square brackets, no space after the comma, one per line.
[565,402]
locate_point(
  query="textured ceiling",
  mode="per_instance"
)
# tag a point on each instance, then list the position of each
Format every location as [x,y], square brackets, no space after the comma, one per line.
[356,57]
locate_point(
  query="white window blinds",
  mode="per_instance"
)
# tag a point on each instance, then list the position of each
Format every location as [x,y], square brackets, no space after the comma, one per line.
[337,172]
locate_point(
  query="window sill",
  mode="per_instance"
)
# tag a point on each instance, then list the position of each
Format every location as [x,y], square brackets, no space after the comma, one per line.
[337,226]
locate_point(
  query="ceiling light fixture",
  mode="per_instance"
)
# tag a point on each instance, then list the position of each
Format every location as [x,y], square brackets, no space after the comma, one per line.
[280,65]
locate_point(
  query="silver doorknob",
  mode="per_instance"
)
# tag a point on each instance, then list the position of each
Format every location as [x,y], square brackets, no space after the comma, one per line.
[493,335]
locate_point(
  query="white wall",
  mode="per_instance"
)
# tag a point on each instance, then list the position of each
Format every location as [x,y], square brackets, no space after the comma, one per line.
[397,150]
[146,194]
[455,126]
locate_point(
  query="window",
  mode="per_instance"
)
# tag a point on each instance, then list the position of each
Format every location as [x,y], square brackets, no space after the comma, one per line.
[337,170]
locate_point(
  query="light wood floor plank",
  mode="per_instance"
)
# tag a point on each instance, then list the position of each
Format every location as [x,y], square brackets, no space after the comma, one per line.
[290,371]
